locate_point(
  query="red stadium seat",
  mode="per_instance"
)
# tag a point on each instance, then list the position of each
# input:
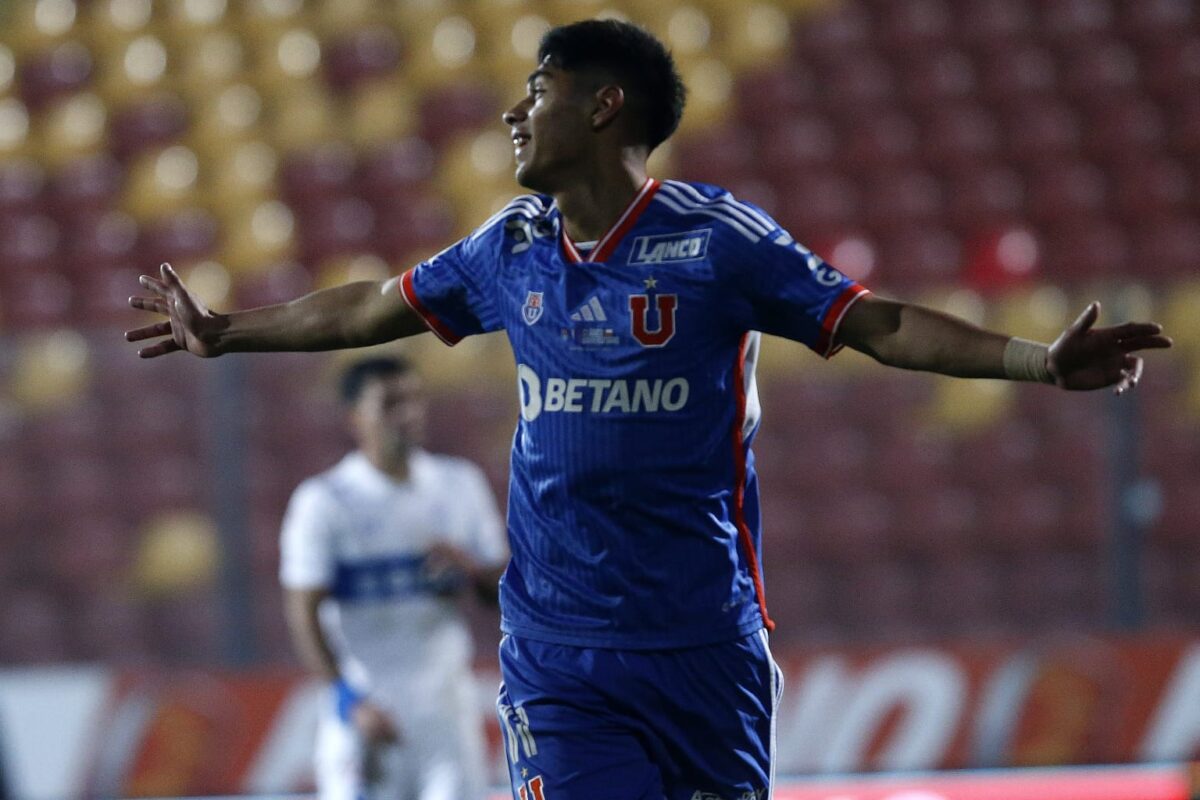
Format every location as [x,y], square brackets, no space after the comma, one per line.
[396,168]
[86,185]
[185,236]
[793,146]
[35,300]
[1165,247]
[766,96]
[360,55]
[49,75]
[1017,74]
[1055,592]
[1086,249]
[880,602]
[1172,68]
[111,627]
[1150,186]
[21,188]
[984,197]
[843,29]
[994,24]
[31,629]
[318,174]
[1120,127]
[914,26]
[720,155]
[920,256]
[452,110]
[823,201]
[960,135]
[147,126]
[1097,69]
[902,198]
[857,85]
[273,283]
[337,226]
[1067,190]
[1074,20]
[961,596]
[1156,22]
[1042,130]
[883,140]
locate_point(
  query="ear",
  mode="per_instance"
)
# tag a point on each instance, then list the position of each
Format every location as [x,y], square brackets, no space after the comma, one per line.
[609,100]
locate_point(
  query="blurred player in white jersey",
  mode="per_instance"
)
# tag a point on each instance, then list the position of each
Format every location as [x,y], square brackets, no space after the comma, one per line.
[375,553]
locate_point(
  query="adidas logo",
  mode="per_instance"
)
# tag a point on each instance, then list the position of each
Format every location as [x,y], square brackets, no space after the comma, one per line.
[591,311]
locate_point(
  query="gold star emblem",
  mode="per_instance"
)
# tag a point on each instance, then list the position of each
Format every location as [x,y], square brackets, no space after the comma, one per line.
[651,283]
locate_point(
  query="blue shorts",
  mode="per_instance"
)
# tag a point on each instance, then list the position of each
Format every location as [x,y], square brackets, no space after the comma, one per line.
[584,723]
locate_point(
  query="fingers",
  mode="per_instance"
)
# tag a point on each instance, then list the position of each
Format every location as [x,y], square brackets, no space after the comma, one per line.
[149,331]
[168,275]
[1130,374]
[1087,319]
[154,304]
[154,285]
[1145,343]
[159,349]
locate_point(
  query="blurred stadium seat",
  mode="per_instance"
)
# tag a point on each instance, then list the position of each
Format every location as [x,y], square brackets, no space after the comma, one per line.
[1007,146]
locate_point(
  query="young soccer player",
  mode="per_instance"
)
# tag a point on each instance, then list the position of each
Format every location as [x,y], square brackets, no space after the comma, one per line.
[374,553]
[635,663]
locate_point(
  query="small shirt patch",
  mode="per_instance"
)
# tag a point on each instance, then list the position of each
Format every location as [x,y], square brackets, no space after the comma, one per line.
[670,247]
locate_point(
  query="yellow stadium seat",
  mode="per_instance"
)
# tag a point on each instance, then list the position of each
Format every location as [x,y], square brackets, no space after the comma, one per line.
[256,236]
[8,70]
[285,56]
[710,89]
[381,111]
[133,70]
[303,116]
[72,127]
[108,20]
[239,175]
[161,182]
[561,12]
[14,128]
[448,54]
[183,21]
[1180,318]
[751,35]
[179,550]
[1038,313]
[350,268]
[36,24]
[336,17]
[214,60]
[234,114]
[50,370]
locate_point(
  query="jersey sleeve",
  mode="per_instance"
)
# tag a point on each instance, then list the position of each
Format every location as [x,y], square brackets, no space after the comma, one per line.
[780,287]
[454,292]
[306,547]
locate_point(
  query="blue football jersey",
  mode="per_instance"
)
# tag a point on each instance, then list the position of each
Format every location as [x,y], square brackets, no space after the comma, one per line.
[633,511]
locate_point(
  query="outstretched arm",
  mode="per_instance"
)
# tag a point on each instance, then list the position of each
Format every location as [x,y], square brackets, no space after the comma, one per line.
[353,315]
[1081,358]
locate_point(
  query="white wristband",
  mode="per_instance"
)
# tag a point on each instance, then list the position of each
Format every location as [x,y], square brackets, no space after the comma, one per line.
[1026,361]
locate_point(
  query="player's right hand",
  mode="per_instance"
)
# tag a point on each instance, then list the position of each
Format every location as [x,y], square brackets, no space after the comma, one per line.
[374,723]
[189,324]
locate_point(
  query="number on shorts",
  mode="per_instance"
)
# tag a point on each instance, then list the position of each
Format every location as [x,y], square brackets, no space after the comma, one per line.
[534,789]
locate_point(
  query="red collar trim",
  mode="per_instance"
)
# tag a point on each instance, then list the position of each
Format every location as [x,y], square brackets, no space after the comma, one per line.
[609,241]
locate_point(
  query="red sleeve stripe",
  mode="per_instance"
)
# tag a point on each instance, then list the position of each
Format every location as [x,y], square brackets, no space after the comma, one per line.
[739,486]
[827,344]
[439,328]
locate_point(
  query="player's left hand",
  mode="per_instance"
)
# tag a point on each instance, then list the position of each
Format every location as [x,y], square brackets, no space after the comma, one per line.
[450,568]
[1084,358]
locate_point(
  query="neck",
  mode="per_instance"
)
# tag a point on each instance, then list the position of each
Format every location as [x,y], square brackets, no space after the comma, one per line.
[594,202]
[393,463]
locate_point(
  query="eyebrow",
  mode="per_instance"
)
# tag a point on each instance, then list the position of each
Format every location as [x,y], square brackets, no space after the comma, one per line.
[537,73]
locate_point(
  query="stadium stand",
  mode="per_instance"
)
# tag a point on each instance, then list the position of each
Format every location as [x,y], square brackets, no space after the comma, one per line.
[1032,153]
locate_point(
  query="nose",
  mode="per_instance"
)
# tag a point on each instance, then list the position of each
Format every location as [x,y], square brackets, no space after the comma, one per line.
[515,114]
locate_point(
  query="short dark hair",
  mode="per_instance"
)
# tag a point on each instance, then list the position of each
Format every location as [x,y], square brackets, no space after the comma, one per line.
[634,57]
[358,374]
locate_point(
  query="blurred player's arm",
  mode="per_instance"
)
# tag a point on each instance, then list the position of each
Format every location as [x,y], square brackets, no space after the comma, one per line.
[354,315]
[302,609]
[1082,357]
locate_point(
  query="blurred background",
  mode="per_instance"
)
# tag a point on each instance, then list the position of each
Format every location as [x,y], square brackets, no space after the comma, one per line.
[986,545]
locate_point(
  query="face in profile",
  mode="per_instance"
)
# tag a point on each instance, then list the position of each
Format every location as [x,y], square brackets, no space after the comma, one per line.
[389,414]
[550,128]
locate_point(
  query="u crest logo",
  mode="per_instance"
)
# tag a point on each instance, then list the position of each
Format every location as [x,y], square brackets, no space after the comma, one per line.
[639,318]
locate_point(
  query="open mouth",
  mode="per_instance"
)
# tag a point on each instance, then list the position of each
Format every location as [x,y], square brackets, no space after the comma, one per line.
[520,140]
